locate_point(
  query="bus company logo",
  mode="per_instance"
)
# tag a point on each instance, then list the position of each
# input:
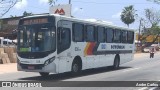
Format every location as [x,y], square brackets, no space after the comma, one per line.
[61,11]
[6,84]
[103,46]
[117,47]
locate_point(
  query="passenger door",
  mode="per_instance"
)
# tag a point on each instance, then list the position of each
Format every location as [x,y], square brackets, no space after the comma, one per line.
[64,39]
[64,45]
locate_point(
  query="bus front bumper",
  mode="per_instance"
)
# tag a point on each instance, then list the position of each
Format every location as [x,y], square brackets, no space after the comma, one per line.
[50,68]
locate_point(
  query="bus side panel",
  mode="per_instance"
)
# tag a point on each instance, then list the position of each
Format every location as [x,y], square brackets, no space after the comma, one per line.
[126,58]
[109,59]
[78,49]
[65,64]
[65,56]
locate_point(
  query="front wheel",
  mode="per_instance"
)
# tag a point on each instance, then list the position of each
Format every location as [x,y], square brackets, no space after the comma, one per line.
[75,68]
[116,63]
[44,74]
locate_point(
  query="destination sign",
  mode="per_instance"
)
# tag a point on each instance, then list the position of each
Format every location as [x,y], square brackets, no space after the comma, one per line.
[35,21]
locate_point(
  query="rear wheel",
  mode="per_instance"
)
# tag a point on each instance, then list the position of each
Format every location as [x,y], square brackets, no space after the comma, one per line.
[44,74]
[116,63]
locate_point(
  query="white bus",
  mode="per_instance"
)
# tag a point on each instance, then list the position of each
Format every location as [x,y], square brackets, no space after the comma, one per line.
[58,44]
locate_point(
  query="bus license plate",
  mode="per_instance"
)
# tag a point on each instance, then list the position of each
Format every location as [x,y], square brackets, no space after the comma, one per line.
[31,67]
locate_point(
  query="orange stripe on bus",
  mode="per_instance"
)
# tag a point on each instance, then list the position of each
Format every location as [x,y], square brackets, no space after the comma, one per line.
[86,48]
[89,49]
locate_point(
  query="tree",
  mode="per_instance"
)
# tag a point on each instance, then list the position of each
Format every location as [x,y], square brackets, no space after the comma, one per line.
[52,2]
[128,15]
[153,18]
[155,31]
[25,13]
[6,5]
[13,16]
[1,24]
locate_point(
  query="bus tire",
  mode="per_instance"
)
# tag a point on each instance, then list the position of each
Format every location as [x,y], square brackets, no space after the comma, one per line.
[76,67]
[44,74]
[116,62]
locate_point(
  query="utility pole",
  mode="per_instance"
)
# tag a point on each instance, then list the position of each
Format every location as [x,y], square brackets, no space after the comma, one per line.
[140,24]
[69,1]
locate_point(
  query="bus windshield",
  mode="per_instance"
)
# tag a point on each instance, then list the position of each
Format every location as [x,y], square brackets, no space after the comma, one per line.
[36,38]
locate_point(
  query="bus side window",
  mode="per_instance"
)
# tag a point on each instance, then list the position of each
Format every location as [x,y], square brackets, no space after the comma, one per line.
[109,36]
[124,36]
[78,32]
[117,36]
[64,39]
[90,33]
[130,37]
[100,34]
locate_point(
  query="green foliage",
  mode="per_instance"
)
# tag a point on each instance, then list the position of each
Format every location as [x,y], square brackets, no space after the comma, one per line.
[153,16]
[0,22]
[6,5]
[128,15]
[13,16]
[27,14]
[155,30]
[52,2]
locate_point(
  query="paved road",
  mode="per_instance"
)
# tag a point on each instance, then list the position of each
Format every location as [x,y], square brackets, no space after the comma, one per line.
[142,68]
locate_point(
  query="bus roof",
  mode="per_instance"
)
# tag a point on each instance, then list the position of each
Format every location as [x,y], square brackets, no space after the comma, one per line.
[98,22]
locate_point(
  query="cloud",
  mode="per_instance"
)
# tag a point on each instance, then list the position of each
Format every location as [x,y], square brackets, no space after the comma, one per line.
[75,9]
[43,2]
[21,4]
[117,15]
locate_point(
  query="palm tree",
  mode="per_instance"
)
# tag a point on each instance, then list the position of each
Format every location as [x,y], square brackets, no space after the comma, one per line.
[128,15]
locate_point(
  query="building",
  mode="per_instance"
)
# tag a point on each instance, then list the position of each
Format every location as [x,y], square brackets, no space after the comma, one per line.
[8,26]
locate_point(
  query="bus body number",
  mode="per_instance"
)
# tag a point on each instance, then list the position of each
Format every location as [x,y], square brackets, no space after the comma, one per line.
[77,49]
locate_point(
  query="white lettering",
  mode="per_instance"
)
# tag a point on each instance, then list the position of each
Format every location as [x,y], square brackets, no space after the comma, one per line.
[152,84]
[141,84]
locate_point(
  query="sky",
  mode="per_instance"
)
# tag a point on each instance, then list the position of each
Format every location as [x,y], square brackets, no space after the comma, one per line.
[106,10]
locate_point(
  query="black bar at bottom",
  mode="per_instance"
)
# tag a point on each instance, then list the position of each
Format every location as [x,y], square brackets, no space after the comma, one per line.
[79,84]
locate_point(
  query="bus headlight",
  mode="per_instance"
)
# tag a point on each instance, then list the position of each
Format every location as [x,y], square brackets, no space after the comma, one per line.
[49,61]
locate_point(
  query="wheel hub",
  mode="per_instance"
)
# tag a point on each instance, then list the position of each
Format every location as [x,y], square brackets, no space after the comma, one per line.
[75,68]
